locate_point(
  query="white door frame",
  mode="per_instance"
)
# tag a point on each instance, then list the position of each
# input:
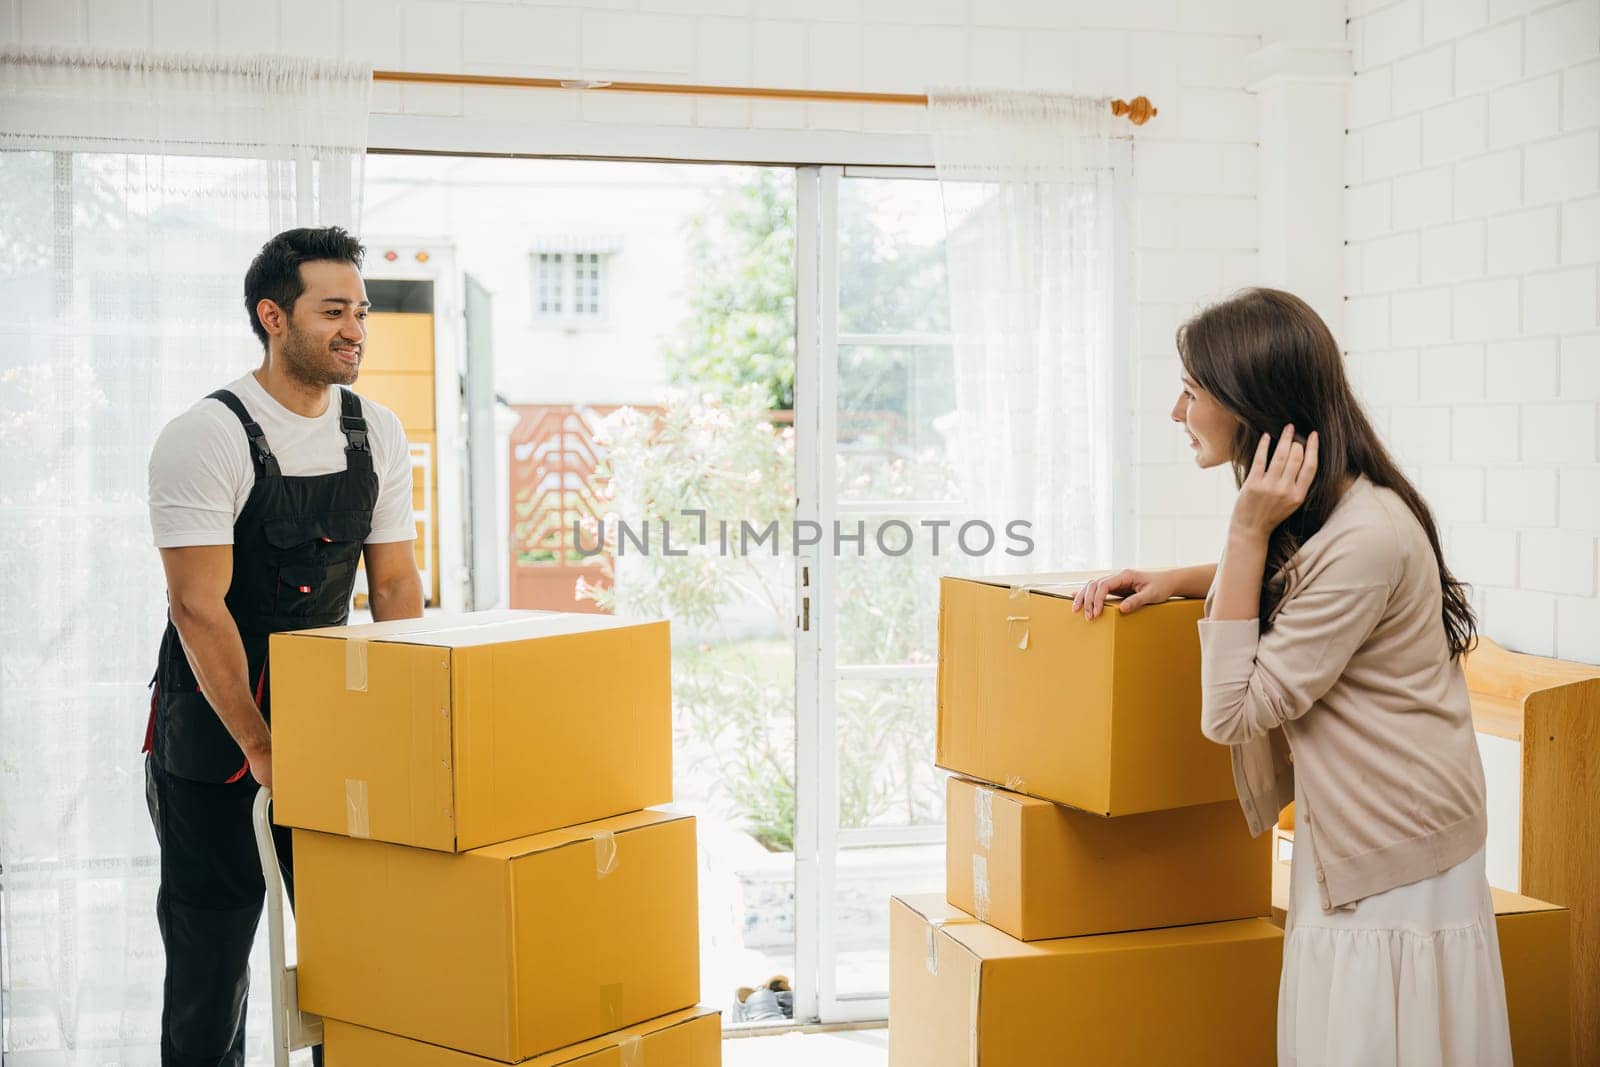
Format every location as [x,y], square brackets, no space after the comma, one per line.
[807,809]
[818,835]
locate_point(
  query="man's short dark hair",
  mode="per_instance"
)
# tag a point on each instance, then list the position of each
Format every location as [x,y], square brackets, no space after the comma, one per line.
[275,273]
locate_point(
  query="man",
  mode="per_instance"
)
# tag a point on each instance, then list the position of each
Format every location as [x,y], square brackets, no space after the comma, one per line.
[262,497]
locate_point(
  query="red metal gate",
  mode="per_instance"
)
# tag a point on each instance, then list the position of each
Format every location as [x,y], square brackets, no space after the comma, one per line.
[554,484]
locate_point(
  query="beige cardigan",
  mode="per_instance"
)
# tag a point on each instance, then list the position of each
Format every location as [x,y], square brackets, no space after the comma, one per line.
[1354,690]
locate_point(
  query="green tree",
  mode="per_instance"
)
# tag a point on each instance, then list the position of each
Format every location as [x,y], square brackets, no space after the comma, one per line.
[740,329]
[719,444]
[741,326]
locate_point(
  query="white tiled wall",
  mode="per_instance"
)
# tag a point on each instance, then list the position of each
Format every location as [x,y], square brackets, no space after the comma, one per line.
[1197,163]
[1473,239]
[1472,215]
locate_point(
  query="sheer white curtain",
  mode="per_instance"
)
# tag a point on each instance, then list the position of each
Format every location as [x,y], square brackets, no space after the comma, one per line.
[1029,188]
[136,189]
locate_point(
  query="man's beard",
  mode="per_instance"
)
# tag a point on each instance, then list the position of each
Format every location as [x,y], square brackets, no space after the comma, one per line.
[314,365]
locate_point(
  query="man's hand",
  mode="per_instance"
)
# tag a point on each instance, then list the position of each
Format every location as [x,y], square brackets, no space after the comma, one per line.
[261,765]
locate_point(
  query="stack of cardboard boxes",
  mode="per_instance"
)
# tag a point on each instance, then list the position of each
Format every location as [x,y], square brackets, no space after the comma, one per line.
[477,880]
[1105,898]
[1102,888]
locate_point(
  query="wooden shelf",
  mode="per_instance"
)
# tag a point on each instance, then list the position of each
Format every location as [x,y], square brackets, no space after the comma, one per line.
[1551,709]
[1500,716]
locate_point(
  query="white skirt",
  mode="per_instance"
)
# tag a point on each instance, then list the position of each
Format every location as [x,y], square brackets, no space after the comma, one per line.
[1406,978]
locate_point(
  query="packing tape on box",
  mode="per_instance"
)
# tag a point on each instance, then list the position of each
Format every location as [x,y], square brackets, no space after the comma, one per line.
[1015,782]
[355,665]
[355,649]
[1018,622]
[630,1051]
[357,822]
[983,815]
[980,887]
[611,1005]
[605,853]
[930,935]
[454,627]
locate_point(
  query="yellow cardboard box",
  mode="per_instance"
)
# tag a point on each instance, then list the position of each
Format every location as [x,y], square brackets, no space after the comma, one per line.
[508,951]
[396,341]
[964,993]
[690,1038]
[411,396]
[1038,870]
[1103,715]
[454,732]
[1535,953]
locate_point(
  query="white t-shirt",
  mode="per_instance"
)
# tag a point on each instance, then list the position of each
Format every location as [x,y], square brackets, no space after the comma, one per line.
[201,473]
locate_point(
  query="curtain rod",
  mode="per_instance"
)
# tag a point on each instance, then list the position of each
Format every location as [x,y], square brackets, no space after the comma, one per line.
[1139,110]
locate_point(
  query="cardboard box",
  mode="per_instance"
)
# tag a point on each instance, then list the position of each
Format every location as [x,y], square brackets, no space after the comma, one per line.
[964,993]
[397,341]
[1102,715]
[1038,870]
[1535,956]
[455,732]
[409,395]
[508,951]
[690,1038]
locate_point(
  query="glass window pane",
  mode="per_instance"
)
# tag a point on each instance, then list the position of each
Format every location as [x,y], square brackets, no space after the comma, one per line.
[888,590]
[885,729]
[672,406]
[895,412]
[548,278]
[887,779]
[891,257]
[893,419]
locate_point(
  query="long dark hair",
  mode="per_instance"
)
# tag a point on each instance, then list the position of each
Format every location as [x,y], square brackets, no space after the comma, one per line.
[1270,360]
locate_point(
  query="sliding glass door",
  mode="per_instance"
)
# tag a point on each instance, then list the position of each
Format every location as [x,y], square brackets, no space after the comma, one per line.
[876,398]
[762,357]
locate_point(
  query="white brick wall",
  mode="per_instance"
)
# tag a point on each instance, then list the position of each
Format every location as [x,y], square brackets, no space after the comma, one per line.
[1197,163]
[1473,226]
[1449,253]
[1472,216]
[1453,373]
[1523,369]
[1520,497]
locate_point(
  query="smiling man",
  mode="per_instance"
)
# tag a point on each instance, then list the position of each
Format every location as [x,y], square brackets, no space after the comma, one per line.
[263,496]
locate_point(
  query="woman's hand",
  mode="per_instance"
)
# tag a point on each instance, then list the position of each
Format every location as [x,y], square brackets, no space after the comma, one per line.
[1138,588]
[1275,488]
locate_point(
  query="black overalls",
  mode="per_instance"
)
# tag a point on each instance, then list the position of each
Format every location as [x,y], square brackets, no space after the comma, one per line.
[295,548]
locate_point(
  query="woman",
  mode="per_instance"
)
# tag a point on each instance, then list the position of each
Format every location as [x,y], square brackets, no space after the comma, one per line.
[1331,665]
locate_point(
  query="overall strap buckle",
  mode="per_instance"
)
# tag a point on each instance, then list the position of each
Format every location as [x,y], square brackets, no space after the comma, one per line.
[351,421]
[266,464]
[355,431]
